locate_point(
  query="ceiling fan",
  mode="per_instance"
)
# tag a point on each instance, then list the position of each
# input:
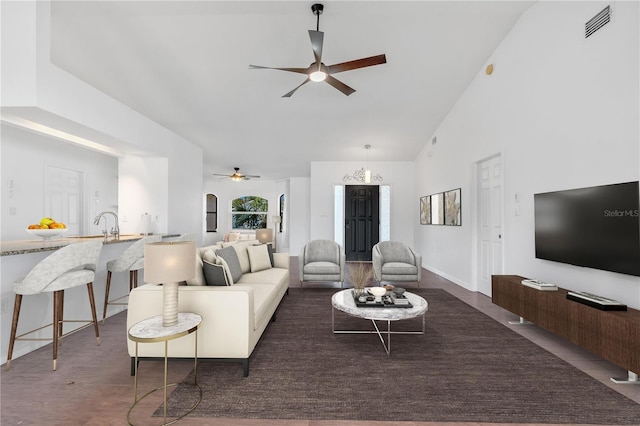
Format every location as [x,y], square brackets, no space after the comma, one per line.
[318,71]
[237,176]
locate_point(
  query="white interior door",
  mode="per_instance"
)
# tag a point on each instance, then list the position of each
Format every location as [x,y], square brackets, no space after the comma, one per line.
[63,198]
[490,222]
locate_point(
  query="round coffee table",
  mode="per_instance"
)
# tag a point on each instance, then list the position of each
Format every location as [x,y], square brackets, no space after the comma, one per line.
[343,301]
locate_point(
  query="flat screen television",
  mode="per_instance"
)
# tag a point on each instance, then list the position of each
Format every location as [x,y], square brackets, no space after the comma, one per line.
[596,227]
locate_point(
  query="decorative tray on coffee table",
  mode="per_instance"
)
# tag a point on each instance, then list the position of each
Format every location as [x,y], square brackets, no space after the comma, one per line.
[389,300]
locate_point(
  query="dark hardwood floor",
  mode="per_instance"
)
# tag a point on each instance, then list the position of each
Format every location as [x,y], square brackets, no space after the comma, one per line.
[92,385]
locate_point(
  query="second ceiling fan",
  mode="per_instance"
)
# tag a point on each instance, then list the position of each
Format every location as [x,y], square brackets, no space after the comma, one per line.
[318,71]
[237,176]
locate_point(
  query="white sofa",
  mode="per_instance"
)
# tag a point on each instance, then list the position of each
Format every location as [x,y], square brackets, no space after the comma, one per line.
[234,316]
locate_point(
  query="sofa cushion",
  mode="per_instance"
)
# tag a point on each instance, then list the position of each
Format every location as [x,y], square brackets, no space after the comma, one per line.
[209,255]
[243,256]
[198,278]
[270,249]
[230,257]
[273,276]
[214,274]
[259,258]
[264,297]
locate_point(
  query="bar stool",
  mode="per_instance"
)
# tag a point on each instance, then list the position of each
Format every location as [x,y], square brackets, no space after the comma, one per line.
[186,237]
[70,266]
[132,260]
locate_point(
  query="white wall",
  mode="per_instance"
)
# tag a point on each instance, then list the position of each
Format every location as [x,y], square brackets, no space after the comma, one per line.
[25,156]
[564,113]
[299,214]
[66,103]
[144,185]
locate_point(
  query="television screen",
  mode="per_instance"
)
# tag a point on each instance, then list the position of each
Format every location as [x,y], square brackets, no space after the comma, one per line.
[597,227]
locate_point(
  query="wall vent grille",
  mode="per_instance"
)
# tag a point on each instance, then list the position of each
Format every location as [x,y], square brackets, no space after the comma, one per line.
[601,19]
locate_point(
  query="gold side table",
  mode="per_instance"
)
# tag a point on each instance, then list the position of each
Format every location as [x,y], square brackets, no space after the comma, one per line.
[151,330]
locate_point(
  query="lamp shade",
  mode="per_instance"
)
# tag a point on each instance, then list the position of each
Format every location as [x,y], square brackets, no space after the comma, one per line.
[264,235]
[169,262]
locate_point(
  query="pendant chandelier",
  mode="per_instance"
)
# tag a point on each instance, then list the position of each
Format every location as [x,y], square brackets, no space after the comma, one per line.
[363,174]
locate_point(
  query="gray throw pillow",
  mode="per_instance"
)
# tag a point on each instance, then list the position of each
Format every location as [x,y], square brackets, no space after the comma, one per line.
[231,258]
[270,248]
[214,274]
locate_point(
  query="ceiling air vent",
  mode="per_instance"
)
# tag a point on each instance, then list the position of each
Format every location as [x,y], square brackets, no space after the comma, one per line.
[601,19]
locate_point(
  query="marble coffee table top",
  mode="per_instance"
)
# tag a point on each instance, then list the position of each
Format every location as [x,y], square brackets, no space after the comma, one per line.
[343,301]
[152,330]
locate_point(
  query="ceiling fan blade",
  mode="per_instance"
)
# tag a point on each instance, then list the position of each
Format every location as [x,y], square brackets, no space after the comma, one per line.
[288,95]
[219,174]
[296,70]
[358,63]
[317,40]
[339,85]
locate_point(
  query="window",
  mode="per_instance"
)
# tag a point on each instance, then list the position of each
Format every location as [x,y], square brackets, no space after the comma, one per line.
[212,213]
[281,213]
[249,212]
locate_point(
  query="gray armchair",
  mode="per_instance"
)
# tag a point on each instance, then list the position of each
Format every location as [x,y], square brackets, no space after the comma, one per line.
[322,260]
[393,261]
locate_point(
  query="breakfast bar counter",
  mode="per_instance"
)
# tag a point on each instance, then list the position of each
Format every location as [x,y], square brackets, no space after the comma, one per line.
[19,257]
[10,248]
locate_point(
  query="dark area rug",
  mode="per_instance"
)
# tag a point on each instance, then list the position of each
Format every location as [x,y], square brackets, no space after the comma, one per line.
[465,368]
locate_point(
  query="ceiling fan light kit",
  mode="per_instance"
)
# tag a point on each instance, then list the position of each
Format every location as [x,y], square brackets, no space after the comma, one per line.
[318,76]
[318,71]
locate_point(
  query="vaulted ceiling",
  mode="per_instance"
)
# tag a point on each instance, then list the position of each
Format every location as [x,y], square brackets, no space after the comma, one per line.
[185,65]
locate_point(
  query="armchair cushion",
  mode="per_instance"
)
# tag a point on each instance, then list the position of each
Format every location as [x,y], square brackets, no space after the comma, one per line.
[322,251]
[396,252]
[321,268]
[399,268]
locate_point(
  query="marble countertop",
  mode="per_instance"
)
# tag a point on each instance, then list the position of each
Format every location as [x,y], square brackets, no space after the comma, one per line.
[151,330]
[343,301]
[10,248]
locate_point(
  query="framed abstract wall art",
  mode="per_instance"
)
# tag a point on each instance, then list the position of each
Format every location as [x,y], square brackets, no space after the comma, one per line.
[425,210]
[452,214]
[442,208]
[437,209]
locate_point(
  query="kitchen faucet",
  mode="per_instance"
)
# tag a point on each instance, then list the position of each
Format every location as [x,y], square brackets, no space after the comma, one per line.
[114,231]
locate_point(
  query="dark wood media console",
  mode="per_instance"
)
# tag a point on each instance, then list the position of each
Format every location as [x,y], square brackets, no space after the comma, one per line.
[612,335]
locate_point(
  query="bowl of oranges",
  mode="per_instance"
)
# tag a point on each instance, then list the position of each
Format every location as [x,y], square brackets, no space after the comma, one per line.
[47,228]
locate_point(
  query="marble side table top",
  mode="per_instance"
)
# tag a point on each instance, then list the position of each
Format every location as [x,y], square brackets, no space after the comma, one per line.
[152,330]
[343,301]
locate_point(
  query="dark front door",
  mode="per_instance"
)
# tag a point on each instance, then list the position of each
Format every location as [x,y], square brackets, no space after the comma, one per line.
[362,219]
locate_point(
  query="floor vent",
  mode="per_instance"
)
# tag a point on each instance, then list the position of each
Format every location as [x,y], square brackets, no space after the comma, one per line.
[601,19]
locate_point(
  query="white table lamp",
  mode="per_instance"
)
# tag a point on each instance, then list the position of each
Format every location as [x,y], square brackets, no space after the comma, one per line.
[264,235]
[169,264]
